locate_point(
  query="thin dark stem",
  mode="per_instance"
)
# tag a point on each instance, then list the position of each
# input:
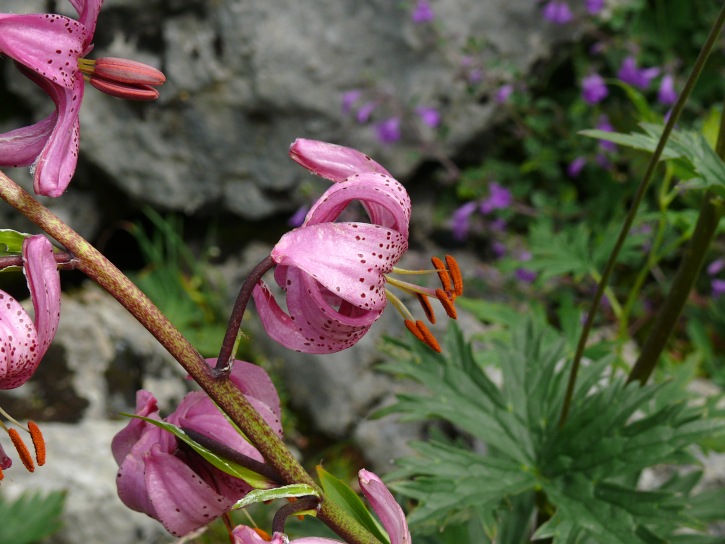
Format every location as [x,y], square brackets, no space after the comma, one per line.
[63,259]
[290,509]
[637,199]
[226,354]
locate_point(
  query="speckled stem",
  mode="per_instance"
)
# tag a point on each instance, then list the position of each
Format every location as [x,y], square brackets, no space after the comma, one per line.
[91,262]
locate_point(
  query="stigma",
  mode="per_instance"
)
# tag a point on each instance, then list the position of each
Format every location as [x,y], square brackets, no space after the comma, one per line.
[449,275]
[122,78]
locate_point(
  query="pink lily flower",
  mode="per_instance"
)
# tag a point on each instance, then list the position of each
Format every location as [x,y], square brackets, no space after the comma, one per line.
[173,484]
[23,342]
[49,50]
[381,500]
[334,273]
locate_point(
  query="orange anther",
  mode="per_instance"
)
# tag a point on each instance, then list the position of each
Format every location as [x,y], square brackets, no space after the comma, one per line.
[263,534]
[455,272]
[442,273]
[447,303]
[22,450]
[38,443]
[1,474]
[427,308]
[428,337]
[413,328]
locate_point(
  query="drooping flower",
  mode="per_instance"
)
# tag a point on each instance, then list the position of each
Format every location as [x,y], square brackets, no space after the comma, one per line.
[381,500]
[388,131]
[169,482]
[49,50]
[666,94]
[423,12]
[24,342]
[594,90]
[499,197]
[633,75]
[557,12]
[334,274]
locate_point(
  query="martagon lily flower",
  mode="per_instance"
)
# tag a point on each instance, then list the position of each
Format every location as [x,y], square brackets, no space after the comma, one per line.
[380,499]
[49,50]
[335,274]
[169,482]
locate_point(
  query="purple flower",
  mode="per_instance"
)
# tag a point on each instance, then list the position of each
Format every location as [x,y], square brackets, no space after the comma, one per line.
[499,249]
[298,217]
[422,13]
[381,500]
[334,274]
[525,275]
[498,197]
[461,219]
[429,116]
[557,12]
[594,6]
[23,342]
[666,94]
[631,74]
[718,288]
[173,485]
[388,131]
[594,90]
[498,224]
[363,114]
[576,166]
[716,266]
[49,50]
[349,98]
[606,126]
[504,93]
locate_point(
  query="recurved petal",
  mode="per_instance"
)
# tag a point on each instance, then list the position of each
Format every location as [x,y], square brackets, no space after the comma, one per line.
[330,161]
[386,201]
[127,437]
[43,279]
[348,259]
[18,344]
[49,44]
[182,501]
[385,506]
[20,147]
[87,15]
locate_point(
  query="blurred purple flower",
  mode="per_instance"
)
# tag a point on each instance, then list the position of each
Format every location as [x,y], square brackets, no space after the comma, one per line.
[718,288]
[594,6]
[429,116]
[606,126]
[602,160]
[666,94]
[557,12]
[349,98]
[503,93]
[498,224]
[388,131]
[594,90]
[631,74]
[422,13]
[461,219]
[525,275]
[498,249]
[576,166]
[297,218]
[498,197]
[363,114]
[715,266]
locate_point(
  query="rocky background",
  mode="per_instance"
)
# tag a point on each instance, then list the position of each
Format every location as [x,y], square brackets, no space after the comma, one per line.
[245,78]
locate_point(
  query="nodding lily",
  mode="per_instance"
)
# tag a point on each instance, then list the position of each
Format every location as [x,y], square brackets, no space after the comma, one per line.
[23,342]
[171,483]
[381,500]
[335,274]
[49,50]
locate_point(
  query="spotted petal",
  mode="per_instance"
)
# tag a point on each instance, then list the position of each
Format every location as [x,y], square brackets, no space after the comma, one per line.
[330,161]
[48,44]
[88,11]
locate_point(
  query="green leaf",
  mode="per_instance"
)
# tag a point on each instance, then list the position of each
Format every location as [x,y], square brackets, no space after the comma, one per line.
[341,494]
[284,492]
[11,242]
[255,480]
[31,517]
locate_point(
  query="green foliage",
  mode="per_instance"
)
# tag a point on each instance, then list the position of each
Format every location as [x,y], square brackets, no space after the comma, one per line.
[11,242]
[583,474]
[31,517]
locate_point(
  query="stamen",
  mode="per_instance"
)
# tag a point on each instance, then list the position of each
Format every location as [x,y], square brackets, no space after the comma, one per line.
[428,337]
[455,272]
[22,450]
[398,305]
[38,442]
[264,534]
[427,308]
[447,303]
[1,474]
[442,273]
[413,328]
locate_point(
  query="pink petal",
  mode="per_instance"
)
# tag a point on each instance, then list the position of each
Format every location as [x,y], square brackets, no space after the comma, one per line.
[18,343]
[20,147]
[330,161]
[49,44]
[253,381]
[386,201]
[44,284]
[385,506]
[182,501]
[127,437]
[87,15]
[348,259]
[246,535]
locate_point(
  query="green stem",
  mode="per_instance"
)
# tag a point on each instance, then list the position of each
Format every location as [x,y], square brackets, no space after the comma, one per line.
[637,199]
[91,262]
